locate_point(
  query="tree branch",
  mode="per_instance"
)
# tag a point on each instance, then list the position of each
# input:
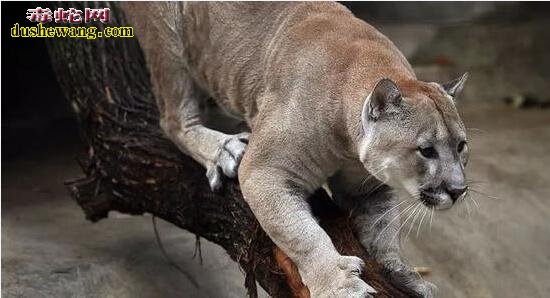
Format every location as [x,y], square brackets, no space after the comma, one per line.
[130,167]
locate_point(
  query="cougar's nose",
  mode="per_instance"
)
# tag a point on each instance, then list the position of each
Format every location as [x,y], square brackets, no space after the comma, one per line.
[455,191]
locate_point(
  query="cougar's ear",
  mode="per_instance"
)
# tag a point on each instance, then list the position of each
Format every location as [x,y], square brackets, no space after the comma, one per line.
[454,87]
[383,98]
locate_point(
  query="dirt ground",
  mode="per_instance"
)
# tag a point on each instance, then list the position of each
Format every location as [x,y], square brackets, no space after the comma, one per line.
[499,249]
[50,250]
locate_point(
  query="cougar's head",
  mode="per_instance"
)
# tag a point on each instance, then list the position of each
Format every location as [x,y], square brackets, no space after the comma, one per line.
[415,141]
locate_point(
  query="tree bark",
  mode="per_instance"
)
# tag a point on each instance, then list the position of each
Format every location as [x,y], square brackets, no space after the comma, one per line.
[129,166]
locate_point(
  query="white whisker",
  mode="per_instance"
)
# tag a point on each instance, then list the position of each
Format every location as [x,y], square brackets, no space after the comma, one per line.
[382,216]
[483,194]
[411,205]
[404,222]
[369,177]
[431,218]
[462,212]
[421,220]
[468,207]
[375,188]
[414,220]
[473,200]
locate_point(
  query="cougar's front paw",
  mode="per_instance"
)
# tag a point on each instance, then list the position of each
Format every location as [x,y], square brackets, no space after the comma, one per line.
[407,279]
[227,160]
[342,280]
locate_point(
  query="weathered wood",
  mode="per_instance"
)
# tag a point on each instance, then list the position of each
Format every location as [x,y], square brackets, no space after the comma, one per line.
[129,166]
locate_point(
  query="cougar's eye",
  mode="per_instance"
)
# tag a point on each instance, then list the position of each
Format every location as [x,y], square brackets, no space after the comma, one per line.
[428,152]
[461,146]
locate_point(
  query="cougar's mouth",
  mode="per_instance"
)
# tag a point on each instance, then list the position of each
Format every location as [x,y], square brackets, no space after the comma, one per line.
[435,200]
[428,199]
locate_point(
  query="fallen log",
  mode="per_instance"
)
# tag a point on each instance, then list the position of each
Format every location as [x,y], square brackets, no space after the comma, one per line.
[130,167]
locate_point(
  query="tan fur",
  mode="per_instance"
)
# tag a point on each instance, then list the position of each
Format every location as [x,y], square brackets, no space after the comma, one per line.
[299,75]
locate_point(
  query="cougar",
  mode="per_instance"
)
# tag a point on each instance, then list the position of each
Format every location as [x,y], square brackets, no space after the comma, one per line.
[329,101]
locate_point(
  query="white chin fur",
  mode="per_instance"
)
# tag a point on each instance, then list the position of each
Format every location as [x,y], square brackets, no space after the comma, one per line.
[446,204]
